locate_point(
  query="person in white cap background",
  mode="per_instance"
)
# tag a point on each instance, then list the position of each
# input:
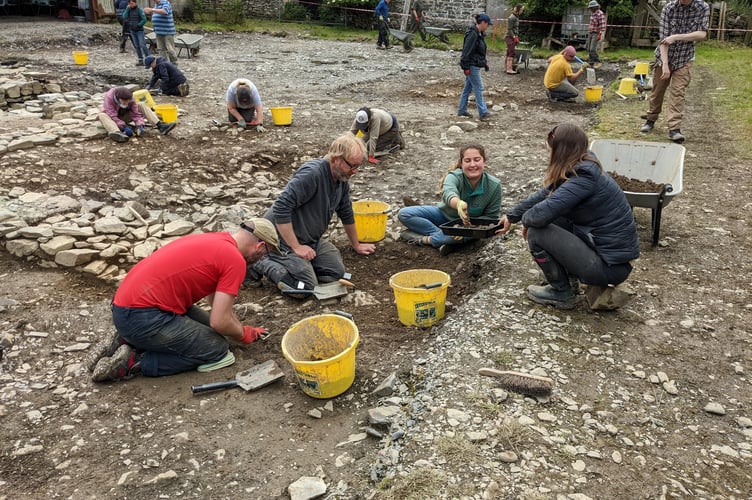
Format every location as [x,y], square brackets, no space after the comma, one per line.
[160,330]
[472,60]
[244,104]
[171,80]
[559,78]
[381,131]
[596,29]
[122,117]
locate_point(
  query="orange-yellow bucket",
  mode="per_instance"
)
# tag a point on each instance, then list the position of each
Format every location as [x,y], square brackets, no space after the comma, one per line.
[627,86]
[321,350]
[370,220]
[80,57]
[420,295]
[168,113]
[144,96]
[642,68]
[593,93]
[281,115]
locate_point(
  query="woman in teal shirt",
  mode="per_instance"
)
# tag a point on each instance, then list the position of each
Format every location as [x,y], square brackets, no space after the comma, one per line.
[467,191]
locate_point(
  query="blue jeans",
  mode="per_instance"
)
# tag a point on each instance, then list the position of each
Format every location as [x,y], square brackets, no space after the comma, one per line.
[139,42]
[473,82]
[426,219]
[288,268]
[575,255]
[172,343]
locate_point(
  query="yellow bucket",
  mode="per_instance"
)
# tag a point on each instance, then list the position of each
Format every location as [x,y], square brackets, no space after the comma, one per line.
[321,350]
[80,57]
[144,95]
[370,220]
[642,68]
[627,86]
[168,113]
[420,295]
[593,93]
[281,115]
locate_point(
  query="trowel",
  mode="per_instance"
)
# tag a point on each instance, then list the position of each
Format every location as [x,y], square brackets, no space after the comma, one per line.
[323,291]
[254,378]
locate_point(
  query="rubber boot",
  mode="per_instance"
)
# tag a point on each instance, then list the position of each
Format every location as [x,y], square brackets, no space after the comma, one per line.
[510,66]
[558,293]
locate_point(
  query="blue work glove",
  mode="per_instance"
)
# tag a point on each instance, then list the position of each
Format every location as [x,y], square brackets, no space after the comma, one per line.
[128,131]
[140,130]
[241,124]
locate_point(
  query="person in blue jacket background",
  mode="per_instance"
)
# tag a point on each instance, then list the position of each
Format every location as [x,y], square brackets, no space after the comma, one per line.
[382,13]
[579,226]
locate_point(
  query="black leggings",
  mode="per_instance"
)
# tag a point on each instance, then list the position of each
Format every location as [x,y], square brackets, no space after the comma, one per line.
[578,258]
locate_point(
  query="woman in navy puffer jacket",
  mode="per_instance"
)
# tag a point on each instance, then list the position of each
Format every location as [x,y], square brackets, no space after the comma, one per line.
[579,226]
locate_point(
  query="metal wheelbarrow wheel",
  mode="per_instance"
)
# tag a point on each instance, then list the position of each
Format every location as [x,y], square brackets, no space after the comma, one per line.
[408,45]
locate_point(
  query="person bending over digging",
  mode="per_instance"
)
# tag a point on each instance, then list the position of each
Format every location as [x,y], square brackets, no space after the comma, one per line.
[579,226]
[380,129]
[160,330]
[171,80]
[467,191]
[244,105]
[122,117]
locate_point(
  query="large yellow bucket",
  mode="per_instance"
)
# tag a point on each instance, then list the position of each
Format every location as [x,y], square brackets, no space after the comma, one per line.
[281,115]
[144,95]
[593,93]
[627,86]
[168,113]
[420,295]
[80,57]
[642,68]
[370,220]
[321,350]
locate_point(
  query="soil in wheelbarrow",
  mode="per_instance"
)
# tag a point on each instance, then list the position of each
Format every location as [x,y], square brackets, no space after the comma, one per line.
[636,185]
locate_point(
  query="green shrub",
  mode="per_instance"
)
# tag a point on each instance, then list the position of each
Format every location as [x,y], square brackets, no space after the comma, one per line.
[293,11]
[232,11]
[330,14]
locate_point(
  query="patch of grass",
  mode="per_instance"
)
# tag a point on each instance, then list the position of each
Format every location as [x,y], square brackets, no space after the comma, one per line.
[512,434]
[503,359]
[457,450]
[416,485]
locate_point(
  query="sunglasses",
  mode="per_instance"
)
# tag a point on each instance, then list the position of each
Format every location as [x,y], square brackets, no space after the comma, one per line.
[352,168]
[252,231]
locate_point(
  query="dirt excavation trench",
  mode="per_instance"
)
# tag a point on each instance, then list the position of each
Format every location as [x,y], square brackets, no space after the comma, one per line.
[653,397]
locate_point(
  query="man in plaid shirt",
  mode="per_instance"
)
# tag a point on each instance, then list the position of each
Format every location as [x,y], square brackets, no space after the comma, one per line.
[595,32]
[683,22]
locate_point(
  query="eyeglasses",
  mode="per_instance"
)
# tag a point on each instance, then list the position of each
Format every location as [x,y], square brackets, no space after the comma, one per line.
[252,230]
[352,168]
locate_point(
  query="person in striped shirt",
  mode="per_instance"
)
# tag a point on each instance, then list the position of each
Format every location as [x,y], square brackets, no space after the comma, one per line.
[164,27]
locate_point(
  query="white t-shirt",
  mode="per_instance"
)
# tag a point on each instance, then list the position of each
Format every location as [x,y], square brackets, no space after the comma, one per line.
[232,94]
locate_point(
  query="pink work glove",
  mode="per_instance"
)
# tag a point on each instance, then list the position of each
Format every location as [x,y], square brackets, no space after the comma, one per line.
[372,159]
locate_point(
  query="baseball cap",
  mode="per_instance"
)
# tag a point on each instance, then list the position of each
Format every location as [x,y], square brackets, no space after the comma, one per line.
[486,18]
[569,51]
[148,61]
[263,230]
[361,120]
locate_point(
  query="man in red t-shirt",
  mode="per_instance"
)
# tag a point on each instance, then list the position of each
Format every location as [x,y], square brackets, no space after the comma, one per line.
[160,330]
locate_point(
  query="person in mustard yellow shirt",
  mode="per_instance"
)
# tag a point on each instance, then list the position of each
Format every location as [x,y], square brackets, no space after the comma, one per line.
[559,77]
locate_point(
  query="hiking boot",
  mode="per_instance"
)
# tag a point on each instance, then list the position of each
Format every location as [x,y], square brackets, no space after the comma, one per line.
[465,114]
[380,47]
[123,365]
[165,128]
[104,349]
[118,136]
[486,116]
[227,360]
[676,136]
[648,126]
[412,238]
[447,249]
[184,89]
[548,295]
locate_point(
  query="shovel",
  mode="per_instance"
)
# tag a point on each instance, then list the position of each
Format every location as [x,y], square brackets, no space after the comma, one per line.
[249,380]
[322,291]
